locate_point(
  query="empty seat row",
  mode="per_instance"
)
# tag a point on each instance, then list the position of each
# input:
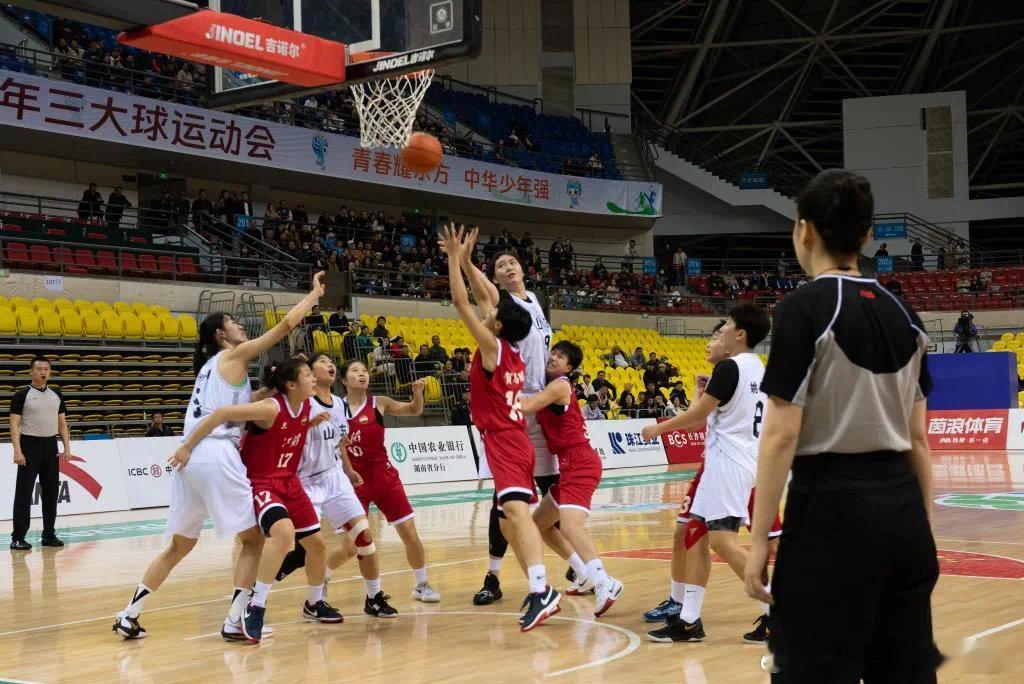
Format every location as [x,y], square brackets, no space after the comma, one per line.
[82,260]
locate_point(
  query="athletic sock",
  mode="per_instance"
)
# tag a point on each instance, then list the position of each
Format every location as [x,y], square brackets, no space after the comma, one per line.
[538,576]
[238,601]
[314,593]
[260,593]
[764,606]
[494,565]
[421,575]
[692,602]
[327,575]
[595,570]
[678,591]
[372,587]
[579,567]
[138,601]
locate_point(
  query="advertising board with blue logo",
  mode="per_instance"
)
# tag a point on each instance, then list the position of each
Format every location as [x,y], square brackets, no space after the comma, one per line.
[619,444]
[884,264]
[434,454]
[887,230]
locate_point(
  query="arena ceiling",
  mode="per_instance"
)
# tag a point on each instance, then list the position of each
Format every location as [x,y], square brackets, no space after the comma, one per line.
[744,85]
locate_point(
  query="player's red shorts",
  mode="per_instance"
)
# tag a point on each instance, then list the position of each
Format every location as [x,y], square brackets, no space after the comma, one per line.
[698,526]
[383,487]
[510,457]
[579,471]
[285,492]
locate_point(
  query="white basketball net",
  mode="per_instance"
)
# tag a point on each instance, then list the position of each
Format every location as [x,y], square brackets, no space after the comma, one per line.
[387,107]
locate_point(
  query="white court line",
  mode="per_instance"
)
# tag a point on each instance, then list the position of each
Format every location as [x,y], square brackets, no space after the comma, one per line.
[980,541]
[632,637]
[218,600]
[974,638]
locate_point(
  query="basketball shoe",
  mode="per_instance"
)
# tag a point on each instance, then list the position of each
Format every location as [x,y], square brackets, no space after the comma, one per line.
[666,609]
[128,627]
[321,611]
[378,606]
[760,633]
[252,622]
[424,592]
[605,594]
[490,592]
[678,630]
[539,607]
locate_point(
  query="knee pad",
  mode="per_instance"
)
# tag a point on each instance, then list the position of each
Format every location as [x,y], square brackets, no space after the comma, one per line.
[361,537]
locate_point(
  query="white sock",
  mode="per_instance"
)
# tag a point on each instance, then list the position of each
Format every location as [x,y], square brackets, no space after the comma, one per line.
[327,575]
[494,565]
[678,591]
[260,593]
[579,567]
[238,601]
[692,602]
[538,577]
[138,601]
[595,570]
[765,608]
[421,575]
[372,587]
[314,593]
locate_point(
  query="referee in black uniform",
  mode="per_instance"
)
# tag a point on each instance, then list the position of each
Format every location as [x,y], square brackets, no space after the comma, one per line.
[37,417]
[847,379]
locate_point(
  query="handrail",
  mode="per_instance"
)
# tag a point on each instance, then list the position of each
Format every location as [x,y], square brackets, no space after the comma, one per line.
[446,81]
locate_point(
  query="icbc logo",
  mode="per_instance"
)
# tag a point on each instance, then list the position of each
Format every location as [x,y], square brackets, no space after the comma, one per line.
[155,470]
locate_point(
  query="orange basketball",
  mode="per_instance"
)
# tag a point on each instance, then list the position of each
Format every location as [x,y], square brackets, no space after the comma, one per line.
[422,154]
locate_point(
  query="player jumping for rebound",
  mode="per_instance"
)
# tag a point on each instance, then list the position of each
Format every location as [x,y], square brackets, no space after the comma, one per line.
[733,407]
[328,477]
[579,466]
[496,381]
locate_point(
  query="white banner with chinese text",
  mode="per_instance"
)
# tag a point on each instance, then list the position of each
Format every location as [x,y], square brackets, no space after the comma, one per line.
[72,109]
[431,454]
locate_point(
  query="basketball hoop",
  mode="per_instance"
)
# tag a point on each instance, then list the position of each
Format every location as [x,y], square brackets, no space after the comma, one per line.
[387,107]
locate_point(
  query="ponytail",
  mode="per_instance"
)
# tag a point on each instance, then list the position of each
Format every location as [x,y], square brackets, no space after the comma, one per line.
[207,345]
[277,375]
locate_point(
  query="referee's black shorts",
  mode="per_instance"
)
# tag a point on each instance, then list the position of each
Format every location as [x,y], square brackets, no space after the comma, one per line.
[854,575]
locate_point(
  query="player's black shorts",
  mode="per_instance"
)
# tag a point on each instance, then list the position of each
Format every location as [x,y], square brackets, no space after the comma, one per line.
[854,574]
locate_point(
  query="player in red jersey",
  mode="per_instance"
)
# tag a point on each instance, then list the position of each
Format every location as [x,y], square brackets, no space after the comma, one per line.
[568,501]
[381,483]
[271,450]
[496,379]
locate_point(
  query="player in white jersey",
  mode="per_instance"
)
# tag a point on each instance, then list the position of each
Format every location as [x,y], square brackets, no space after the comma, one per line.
[212,482]
[534,350]
[732,405]
[329,479]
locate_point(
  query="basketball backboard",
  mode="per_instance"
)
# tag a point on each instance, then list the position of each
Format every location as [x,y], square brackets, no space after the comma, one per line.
[383,38]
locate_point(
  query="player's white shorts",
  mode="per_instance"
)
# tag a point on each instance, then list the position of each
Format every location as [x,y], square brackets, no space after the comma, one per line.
[212,485]
[724,490]
[333,496]
[546,463]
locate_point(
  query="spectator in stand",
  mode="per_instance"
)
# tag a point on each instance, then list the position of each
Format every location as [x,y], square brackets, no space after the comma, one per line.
[381,330]
[942,259]
[605,401]
[637,360]
[648,409]
[349,340]
[629,255]
[91,204]
[627,391]
[595,165]
[116,204]
[423,364]
[963,285]
[716,283]
[679,266]
[917,255]
[600,271]
[674,409]
[436,352]
[627,406]
[157,428]
[403,364]
[201,208]
[460,412]
[365,342]
[314,321]
[616,357]
[588,387]
[182,205]
[603,383]
[300,215]
[660,405]
[592,411]
[894,287]
[780,265]
[883,250]
[162,210]
[339,321]
[977,285]
[679,392]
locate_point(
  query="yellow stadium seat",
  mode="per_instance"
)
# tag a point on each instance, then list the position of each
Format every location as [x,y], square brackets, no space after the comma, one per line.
[61,303]
[138,308]
[169,329]
[83,305]
[187,327]
[1006,337]
[20,303]
[100,307]
[335,342]
[8,323]
[321,344]
[49,323]
[5,303]
[999,346]
[28,321]
[131,326]
[432,390]
[159,310]
[113,326]
[42,304]
[150,327]
[122,307]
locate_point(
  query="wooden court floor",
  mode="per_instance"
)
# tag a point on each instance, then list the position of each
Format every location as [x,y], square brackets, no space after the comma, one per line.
[56,606]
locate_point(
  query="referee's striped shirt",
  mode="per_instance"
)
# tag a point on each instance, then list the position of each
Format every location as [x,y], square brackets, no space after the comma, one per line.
[855,357]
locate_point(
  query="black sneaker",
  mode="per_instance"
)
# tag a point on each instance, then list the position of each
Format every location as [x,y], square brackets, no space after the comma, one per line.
[128,627]
[539,607]
[51,541]
[252,622]
[760,633]
[378,606]
[570,576]
[321,611]
[678,630]
[20,545]
[490,592]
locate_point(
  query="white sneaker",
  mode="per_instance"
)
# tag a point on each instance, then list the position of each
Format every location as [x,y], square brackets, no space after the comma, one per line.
[423,592]
[605,595]
[579,589]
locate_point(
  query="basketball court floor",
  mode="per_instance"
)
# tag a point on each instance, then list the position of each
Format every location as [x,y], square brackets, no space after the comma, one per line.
[57,605]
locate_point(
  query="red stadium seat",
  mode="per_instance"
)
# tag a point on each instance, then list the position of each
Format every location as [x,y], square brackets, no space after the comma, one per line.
[147,262]
[128,263]
[16,253]
[187,266]
[40,255]
[166,264]
[85,259]
[106,260]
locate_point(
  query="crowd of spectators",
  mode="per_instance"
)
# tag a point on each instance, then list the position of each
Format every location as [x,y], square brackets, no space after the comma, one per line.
[659,397]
